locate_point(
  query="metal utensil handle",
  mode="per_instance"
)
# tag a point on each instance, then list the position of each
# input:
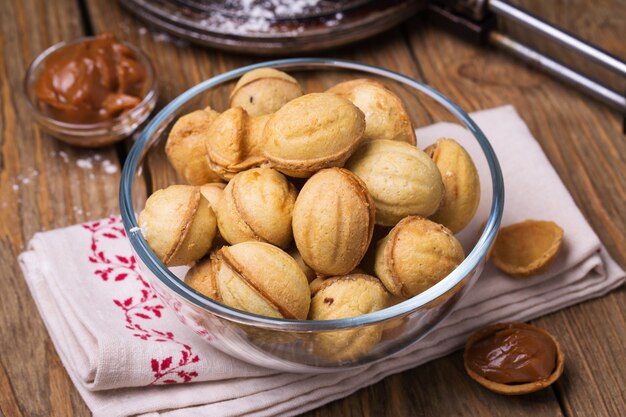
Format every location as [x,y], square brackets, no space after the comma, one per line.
[559,70]
[508,11]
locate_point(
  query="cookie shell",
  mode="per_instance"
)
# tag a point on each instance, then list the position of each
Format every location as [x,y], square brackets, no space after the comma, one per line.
[385,114]
[333,221]
[257,205]
[261,279]
[213,192]
[264,90]
[178,224]
[342,297]
[513,389]
[312,132]
[402,179]
[527,248]
[416,255]
[460,181]
[233,142]
[185,147]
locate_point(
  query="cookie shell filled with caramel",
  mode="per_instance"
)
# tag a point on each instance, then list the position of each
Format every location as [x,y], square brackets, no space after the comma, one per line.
[513,358]
[178,224]
[312,132]
[333,221]
[264,90]
[385,114]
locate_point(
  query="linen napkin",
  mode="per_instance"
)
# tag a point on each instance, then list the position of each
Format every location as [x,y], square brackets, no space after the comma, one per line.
[121,346]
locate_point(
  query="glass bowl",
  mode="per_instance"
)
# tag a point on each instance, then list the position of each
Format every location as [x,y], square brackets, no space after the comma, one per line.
[91,135]
[305,345]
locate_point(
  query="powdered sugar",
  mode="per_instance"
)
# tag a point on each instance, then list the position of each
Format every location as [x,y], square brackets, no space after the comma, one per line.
[84,163]
[109,167]
[261,16]
[93,162]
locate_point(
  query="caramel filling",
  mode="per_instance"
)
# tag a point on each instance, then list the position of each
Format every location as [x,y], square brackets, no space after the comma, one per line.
[513,356]
[91,81]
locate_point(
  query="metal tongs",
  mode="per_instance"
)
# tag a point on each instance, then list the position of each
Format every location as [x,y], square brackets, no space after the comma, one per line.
[477,19]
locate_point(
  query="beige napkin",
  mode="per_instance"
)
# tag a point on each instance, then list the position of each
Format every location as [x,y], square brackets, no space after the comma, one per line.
[120,345]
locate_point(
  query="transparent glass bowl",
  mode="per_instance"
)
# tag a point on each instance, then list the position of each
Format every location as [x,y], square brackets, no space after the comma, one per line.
[310,346]
[90,135]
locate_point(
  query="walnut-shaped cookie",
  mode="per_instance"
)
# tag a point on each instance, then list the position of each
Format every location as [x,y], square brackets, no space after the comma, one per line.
[255,277]
[342,297]
[333,221]
[312,132]
[417,254]
[257,205]
[385,114]
[402,179]
[234,142]
[460,181]
[264,90]
[185,147]
[178,224]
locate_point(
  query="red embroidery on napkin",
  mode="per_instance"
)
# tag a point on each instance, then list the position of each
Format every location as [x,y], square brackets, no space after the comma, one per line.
[144,304]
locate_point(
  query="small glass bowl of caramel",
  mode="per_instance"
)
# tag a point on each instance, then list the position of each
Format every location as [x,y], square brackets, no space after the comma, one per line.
[91,91]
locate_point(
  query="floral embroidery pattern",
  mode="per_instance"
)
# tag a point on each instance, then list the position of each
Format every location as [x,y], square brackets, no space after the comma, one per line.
[141,306]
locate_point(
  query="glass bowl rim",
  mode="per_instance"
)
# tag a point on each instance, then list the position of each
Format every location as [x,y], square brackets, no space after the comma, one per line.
[178,286]
[87,128]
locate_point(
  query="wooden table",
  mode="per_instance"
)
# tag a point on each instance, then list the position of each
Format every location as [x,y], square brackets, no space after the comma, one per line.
[41,188]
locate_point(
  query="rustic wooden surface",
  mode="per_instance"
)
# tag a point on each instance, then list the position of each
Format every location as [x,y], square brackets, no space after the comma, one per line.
[41,187]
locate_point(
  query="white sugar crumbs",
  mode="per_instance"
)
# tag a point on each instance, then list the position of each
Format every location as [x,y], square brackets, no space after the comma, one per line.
[260,15]
[64,157]
[84,163]
[91,162]
[109,167]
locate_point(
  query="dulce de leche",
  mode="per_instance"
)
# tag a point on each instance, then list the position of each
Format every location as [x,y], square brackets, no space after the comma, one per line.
[91,81]
[513,356]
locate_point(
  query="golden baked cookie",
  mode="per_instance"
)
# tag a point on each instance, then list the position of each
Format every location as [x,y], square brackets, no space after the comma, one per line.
[385,114]
[185,147]
[213,192]
[264,90]
[342,297]
[460,181]
[417,254]
[258,278]
[257,205]
[402,179]
[234,142]
[312,132]
[333,221]
[178,224]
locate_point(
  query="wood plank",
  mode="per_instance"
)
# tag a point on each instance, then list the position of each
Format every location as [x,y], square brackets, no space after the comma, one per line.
[595,348]
[583,140]
[438,388]
[41,187]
